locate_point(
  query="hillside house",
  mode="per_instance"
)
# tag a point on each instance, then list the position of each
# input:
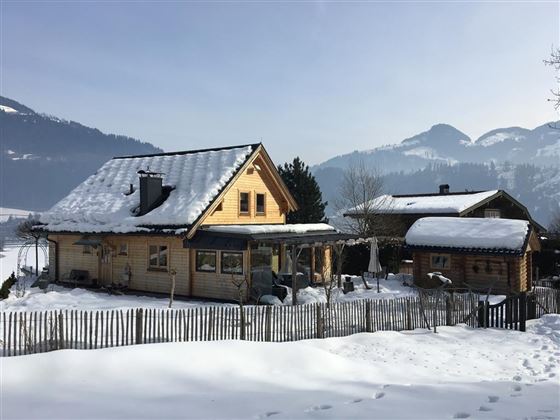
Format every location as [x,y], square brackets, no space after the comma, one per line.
[216,217]
[475,253]
[395,214]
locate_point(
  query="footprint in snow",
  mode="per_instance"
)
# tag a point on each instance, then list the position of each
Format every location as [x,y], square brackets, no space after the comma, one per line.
[268,414]
[493,398]
[461,415]
[354,401]
[320,407]
[516,378]
[379,395]
[516,388]
[484,408]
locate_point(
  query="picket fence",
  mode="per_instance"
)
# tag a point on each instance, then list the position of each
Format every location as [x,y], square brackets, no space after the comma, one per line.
[36,332]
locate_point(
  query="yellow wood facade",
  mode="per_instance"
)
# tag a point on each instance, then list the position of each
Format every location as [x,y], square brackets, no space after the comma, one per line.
[108,265]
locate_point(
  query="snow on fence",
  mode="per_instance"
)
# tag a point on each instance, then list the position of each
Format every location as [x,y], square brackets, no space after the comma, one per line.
[36,332]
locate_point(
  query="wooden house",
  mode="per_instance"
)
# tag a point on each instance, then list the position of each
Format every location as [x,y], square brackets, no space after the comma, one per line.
[140,219]
[481,254]
[393,215]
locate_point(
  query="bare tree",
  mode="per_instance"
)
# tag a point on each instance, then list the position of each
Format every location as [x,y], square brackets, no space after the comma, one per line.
[361,201]
[25,230]
[554,61]
[554,226]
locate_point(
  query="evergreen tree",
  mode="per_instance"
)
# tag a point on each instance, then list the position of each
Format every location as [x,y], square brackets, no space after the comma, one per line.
[306,191]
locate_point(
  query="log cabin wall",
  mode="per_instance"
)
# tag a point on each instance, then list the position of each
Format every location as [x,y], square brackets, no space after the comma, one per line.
[478,271]
[72,257]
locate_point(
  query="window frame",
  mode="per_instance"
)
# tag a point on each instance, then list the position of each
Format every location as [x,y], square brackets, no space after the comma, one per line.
[87,249]
[124,254]
[447,256]
[257,212]
[248,212]
[489,211]
[158,266]
[206,251]
[231,272]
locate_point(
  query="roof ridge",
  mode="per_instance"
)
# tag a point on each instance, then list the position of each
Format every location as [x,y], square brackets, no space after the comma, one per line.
[188,152]
[438,194]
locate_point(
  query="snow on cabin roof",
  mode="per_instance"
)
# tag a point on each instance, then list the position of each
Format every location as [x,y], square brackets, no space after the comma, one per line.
[469,233]
[103,203]
[429,203]
[269,229]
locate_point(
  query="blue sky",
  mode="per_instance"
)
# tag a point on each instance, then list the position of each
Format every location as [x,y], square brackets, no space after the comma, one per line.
[314,79]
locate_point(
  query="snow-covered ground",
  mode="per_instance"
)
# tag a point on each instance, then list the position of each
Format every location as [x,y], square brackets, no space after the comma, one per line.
[458,373]
[8,260]
[59,297]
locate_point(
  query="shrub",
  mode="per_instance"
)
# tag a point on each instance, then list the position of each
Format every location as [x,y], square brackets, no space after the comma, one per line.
[7,285]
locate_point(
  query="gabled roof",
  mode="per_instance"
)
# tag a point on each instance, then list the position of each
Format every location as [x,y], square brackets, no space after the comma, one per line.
[103,204]
[476,235]
[449,204]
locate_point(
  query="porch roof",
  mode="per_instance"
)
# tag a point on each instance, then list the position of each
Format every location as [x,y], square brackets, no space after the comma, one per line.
[238,236]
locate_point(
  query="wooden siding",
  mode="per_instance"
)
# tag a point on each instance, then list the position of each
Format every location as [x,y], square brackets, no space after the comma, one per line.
[72,257]
[493,271]
[217,285]
[252,181]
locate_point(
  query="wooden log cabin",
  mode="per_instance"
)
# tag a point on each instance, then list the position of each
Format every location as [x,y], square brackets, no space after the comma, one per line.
[215,217]
[480,254]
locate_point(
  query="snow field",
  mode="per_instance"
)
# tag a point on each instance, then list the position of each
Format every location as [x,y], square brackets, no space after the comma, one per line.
[458,373]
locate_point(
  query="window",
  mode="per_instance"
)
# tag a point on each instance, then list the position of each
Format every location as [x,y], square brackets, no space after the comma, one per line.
[259,203]
[158,257]
[87,249]
[123,249]
[206,261]
[492,213]
[232,262]
[243,202]
[440,261]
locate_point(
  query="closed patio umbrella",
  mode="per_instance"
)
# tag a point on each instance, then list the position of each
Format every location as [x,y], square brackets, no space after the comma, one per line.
[374,265]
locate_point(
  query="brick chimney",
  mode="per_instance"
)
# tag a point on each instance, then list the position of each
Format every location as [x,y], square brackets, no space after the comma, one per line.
[150,190]
[444,189]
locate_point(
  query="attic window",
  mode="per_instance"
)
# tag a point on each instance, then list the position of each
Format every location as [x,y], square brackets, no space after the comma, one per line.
[244,202]
[492,213]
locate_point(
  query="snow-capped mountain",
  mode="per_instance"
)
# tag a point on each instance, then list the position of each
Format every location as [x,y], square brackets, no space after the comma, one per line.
[445,144]
[43,157]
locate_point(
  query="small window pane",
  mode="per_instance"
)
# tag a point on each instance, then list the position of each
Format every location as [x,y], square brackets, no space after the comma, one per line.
[206,261]
[244,202]
[440,261]
[87,249]
[260,203]
[123,249]
[163,256]
[153,255]
[232,262]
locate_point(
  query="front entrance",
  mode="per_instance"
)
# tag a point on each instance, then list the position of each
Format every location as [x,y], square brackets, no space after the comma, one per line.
[105,264]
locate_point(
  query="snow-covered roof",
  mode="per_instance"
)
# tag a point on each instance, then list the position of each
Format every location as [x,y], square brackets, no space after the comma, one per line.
[429,203]
[266,229]
[102,203]
[469,233]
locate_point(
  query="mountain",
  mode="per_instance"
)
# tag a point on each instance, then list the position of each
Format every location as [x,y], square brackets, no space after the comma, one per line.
[445,144]
[43,157]
[524,162]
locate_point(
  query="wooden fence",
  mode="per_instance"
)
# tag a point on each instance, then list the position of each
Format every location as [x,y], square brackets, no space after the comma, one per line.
[36,332]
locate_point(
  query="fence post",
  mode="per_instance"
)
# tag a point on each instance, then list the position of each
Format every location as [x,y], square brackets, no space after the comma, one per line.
[449,310]
[139,320]
[481,314]
[241,323]
[368,317]
[268,334]
[522,311]
[60,330]
[320,325]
